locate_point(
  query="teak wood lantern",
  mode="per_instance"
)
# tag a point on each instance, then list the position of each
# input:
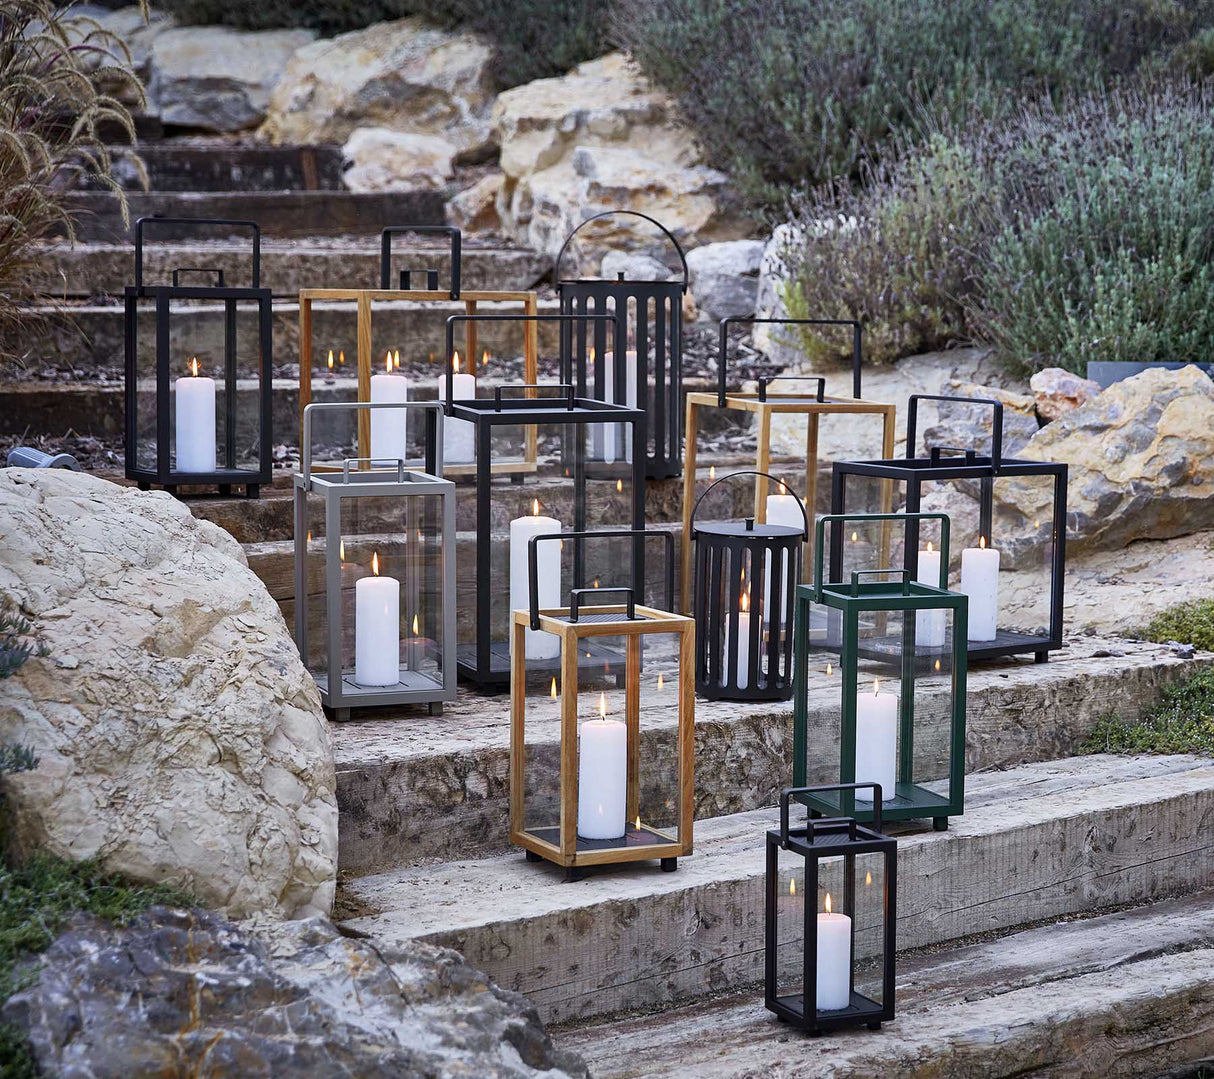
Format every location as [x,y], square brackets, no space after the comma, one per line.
[208,375]
[649,330]
[829,940]
[746,577]
[619,785]
[1024,540]
[375,574]
[495,430]
[456,464]
[763,405]
[854,641]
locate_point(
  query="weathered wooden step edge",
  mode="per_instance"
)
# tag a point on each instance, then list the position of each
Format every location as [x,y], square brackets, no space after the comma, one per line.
[419,787]
[1124,994]
[1036,842]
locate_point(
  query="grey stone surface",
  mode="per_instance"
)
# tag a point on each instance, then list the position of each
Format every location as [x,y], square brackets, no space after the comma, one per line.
[725,277]
[271,999]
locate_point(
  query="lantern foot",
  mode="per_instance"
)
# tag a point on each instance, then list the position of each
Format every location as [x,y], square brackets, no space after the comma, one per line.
[669,865]
[517,479]
[144,486]
[874,1026]
[225,488]
[532,856]
[170,489]
[436,709]
[252,490]
[940,824]
[573,874]
[1041,657]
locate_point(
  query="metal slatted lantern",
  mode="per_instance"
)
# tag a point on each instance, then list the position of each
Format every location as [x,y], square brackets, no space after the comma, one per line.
[765,405]
[495,433]
[830,918]
[198,401]
[746,577]
[1018,513]
[880,684]
[375,574]
[617,784]
[649,330]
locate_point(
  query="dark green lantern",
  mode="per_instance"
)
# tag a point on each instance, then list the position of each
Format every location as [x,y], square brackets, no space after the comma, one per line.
[879,685]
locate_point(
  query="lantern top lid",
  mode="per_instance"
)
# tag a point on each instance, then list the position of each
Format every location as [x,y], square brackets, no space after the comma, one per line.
[556,270]
[749,527]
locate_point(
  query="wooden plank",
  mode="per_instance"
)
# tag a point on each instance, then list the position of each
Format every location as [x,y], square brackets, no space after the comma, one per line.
[518,719]
[689,496]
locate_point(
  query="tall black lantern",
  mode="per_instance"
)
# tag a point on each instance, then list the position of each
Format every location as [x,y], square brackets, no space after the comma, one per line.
[199,384]
[1008,513]
[746,578]
[649,329]
[561,496]
[831,919]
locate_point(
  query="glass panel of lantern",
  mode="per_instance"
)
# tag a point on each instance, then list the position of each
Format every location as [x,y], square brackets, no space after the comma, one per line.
[746,576]
[198,366]
[831,917]
[601,763]
[1009,525]
[649,316]
[375,573]
[880,684]
[563,494]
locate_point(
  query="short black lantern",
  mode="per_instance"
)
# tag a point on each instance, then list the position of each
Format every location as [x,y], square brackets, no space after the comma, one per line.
[831,919]
[198,400]
[746,577]
[649,330]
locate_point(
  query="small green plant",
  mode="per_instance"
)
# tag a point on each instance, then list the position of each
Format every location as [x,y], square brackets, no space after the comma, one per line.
[18,640]
[1182,722]
[1186,623]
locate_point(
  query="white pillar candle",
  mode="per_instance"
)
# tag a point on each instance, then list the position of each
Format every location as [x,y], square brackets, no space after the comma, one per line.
[195,427]
[602,777]
[610,432]
[980,581]
[459,436]
[389,426]
[537,644]
[877,739]
[742,664]
[377,629]
[834,960]
[929,625]
[782,509]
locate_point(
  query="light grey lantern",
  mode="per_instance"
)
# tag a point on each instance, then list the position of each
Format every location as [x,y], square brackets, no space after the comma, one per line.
[375,573]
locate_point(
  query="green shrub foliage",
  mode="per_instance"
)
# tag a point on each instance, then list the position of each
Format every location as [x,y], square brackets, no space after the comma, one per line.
[1186,623]
[1182,722]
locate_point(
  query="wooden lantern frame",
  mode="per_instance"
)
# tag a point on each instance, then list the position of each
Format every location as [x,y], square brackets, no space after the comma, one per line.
[365,299]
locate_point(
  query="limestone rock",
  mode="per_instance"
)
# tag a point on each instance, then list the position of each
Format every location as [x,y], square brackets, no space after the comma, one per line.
[725,277]
[406,75]
[219,79]
[284,999]
[972,426]
[635,267]
[1057,391]
[128,25]
[187,744]
[379,159]
[475,208]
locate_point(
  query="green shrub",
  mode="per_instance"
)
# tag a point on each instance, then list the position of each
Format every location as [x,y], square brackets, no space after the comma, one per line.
[1187,623]
[18,641]
[1182,722]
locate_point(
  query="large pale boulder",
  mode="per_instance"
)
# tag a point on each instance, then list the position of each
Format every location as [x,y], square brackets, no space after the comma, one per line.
[379,159]
[972,427]
[475,208]
[405,75]
[180,738]
[725,277]
[129,26]
[219,79]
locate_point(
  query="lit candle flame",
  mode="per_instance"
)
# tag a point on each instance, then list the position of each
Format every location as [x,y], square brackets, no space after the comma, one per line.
[415,625]
[484,357]
[375,564]
[855,537]
[876,686]
[638,823]
[552,691]
[455,361]
[619,485]
[661,682]
[596,582]
[937,664]
[535,507]
[396,358]
[388,361]
[194,366]
[829,670]
[309,536]
[868,879]
[982,542]
[592,353]
[330,359]
[602,705]
[341,550]
[341,355]
[783,489]
[712,472]
[792,886]
[930,548]
[828,902]
[745,602]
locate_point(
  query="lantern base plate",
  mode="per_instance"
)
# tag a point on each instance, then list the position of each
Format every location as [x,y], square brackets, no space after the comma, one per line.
[862,1011]
[412,687]
[1007,642]
[632,837]
[910,801]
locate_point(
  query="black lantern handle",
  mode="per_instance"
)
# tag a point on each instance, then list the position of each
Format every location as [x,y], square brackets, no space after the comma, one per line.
[533,584]
[936,452]
[556,270]
[735,320]
[912,416]
[856,574]
[764,382]
[576,594]
[565,387]
[765,475]
[433,452]
[385,254]
[841,519]
[216,270]
[789,793]
[144,222]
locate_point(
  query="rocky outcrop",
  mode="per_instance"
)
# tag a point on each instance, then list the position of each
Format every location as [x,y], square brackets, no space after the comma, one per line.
[475,208]
[972,427]
[404,75]
[1057,392]
[180,738]
[379,159]
[284,999]
[130,27]
[217,79]
[725,277]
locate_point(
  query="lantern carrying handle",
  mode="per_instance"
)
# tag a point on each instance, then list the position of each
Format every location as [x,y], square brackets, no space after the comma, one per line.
[533,583]
[764,382]
[216,270]
[433,452]
[385,257]
[788,793]
[752,472]
[912,416]
[842,519]
[144,222]
[747,320]
[856,574]
[565,387]
[577,594]
[556,269]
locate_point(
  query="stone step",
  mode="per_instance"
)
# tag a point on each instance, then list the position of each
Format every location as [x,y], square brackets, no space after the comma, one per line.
[412,787]
[286,265]
[97,215]
[1123,994]
[1037,842]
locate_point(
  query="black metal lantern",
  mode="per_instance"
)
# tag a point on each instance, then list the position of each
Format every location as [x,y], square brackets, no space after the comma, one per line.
[498,431]
[1012,512]
[198,401]
[831,919]
[746,577]
[649,329]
